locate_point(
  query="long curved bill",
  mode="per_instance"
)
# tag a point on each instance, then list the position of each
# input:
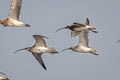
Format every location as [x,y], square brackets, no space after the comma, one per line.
[66,49]
[19,50]
[60,29]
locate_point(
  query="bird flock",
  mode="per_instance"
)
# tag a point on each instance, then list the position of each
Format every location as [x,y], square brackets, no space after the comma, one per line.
[40,46]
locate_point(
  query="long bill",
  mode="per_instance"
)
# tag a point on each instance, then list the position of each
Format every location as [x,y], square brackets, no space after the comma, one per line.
[66,49]
[60,29]
[19,50]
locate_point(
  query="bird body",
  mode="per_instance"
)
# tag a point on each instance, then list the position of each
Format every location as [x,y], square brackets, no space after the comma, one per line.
[12,23]
[76,28]
[39,48]
[83,46]
[81,49]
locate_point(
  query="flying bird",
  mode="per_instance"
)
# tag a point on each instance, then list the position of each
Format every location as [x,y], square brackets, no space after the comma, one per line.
[39,48]
[83,46]
[13,18]
[3,76]
[76,28]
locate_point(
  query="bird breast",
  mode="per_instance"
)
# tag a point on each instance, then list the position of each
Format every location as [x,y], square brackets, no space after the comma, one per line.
[13,22]
[84,49]
[38,49]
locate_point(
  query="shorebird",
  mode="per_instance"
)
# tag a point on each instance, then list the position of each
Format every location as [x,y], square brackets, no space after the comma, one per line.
[76,28]
[39,48]
[4,77]
[83,46]
[13,18]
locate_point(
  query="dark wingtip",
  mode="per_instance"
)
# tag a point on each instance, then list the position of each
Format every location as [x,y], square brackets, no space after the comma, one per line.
[44,67]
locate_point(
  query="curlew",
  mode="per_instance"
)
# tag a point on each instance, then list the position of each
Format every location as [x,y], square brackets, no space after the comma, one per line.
[83,46]
[39,48]
[76,28]
[3,76]
[13,18]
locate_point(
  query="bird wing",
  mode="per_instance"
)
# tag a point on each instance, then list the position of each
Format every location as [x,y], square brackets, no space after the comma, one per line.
[38,57]
[15,9]
[86,21]
[40,40]
[83,38]
[75,33]
[77,24]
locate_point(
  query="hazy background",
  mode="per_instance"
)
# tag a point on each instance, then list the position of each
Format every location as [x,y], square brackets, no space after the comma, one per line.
[45,16]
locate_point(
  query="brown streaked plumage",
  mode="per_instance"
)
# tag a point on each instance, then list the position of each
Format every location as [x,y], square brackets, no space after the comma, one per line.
[76,28]
[13,18]
[39,48]
[4,77]
[83,46]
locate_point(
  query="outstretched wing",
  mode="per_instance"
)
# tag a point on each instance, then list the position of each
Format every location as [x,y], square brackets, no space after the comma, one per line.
[86,21]
[75,33]
[83,39]
[38,57]
[40,40]
[15,9]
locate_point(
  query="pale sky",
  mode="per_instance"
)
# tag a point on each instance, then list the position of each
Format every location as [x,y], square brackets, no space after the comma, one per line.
[45,16]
